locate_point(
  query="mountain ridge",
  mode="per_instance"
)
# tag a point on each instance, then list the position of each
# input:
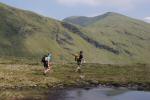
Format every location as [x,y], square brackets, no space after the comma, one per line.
[88,20]
[106,40]
[128,35]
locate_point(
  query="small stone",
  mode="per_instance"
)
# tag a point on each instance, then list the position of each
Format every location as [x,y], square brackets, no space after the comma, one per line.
[82,76]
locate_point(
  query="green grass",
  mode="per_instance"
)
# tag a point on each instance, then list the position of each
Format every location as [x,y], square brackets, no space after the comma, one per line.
[38,94]
[123,33]
[23,75]
[26,34]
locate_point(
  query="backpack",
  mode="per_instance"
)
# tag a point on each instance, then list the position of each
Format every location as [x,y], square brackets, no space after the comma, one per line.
[43,59]
[76,58]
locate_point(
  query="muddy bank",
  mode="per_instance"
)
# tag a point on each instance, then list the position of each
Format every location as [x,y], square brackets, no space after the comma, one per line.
[83,84]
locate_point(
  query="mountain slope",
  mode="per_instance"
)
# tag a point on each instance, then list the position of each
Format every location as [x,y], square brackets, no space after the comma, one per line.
[129,36]
[85,21]
[26,34]
[103,39]
[29,35]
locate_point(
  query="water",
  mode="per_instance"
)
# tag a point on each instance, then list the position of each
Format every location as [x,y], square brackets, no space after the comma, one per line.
[76,94]
[100,94]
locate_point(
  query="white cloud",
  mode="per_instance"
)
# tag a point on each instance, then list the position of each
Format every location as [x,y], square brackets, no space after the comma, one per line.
[76,2]
[97,2]
[147,19]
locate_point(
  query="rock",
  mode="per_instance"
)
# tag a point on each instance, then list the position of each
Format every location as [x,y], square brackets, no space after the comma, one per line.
[82,76]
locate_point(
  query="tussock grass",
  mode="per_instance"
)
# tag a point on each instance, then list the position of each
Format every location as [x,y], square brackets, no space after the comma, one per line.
[32,75]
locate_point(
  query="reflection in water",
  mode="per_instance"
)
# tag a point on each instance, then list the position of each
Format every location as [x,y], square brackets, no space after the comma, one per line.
[100,94]
[133,95]
[75,94]
[114,92]
[57,95]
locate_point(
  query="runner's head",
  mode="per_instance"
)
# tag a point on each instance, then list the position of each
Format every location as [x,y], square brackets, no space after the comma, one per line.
[49,54]
[81,52]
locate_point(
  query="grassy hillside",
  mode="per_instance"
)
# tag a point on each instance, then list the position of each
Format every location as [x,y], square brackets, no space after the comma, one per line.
[130,37]
[26,34]
[110,38]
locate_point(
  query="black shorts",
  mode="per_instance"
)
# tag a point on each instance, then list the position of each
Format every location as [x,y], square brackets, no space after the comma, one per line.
[78,62]
[45,64]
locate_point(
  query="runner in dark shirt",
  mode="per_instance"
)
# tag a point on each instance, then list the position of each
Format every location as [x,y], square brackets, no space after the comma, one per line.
[79,61]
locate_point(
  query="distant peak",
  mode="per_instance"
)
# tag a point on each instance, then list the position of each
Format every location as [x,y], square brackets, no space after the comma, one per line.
[75,17]
[111,13]
[107,14]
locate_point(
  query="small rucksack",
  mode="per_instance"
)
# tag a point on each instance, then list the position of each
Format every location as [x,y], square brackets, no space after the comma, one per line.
[43,59]
[76,57]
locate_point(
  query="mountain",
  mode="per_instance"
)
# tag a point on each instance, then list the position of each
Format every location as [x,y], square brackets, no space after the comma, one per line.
[130,37]
[85,21]
[108,38]
[27,34]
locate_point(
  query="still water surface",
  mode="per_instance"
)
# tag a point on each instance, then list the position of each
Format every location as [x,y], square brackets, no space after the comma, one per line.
[76,94]
[100,94]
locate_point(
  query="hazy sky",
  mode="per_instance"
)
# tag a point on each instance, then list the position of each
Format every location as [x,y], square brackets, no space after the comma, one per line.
[60,9]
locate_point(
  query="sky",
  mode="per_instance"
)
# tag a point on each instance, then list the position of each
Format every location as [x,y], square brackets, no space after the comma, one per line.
[60,9]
